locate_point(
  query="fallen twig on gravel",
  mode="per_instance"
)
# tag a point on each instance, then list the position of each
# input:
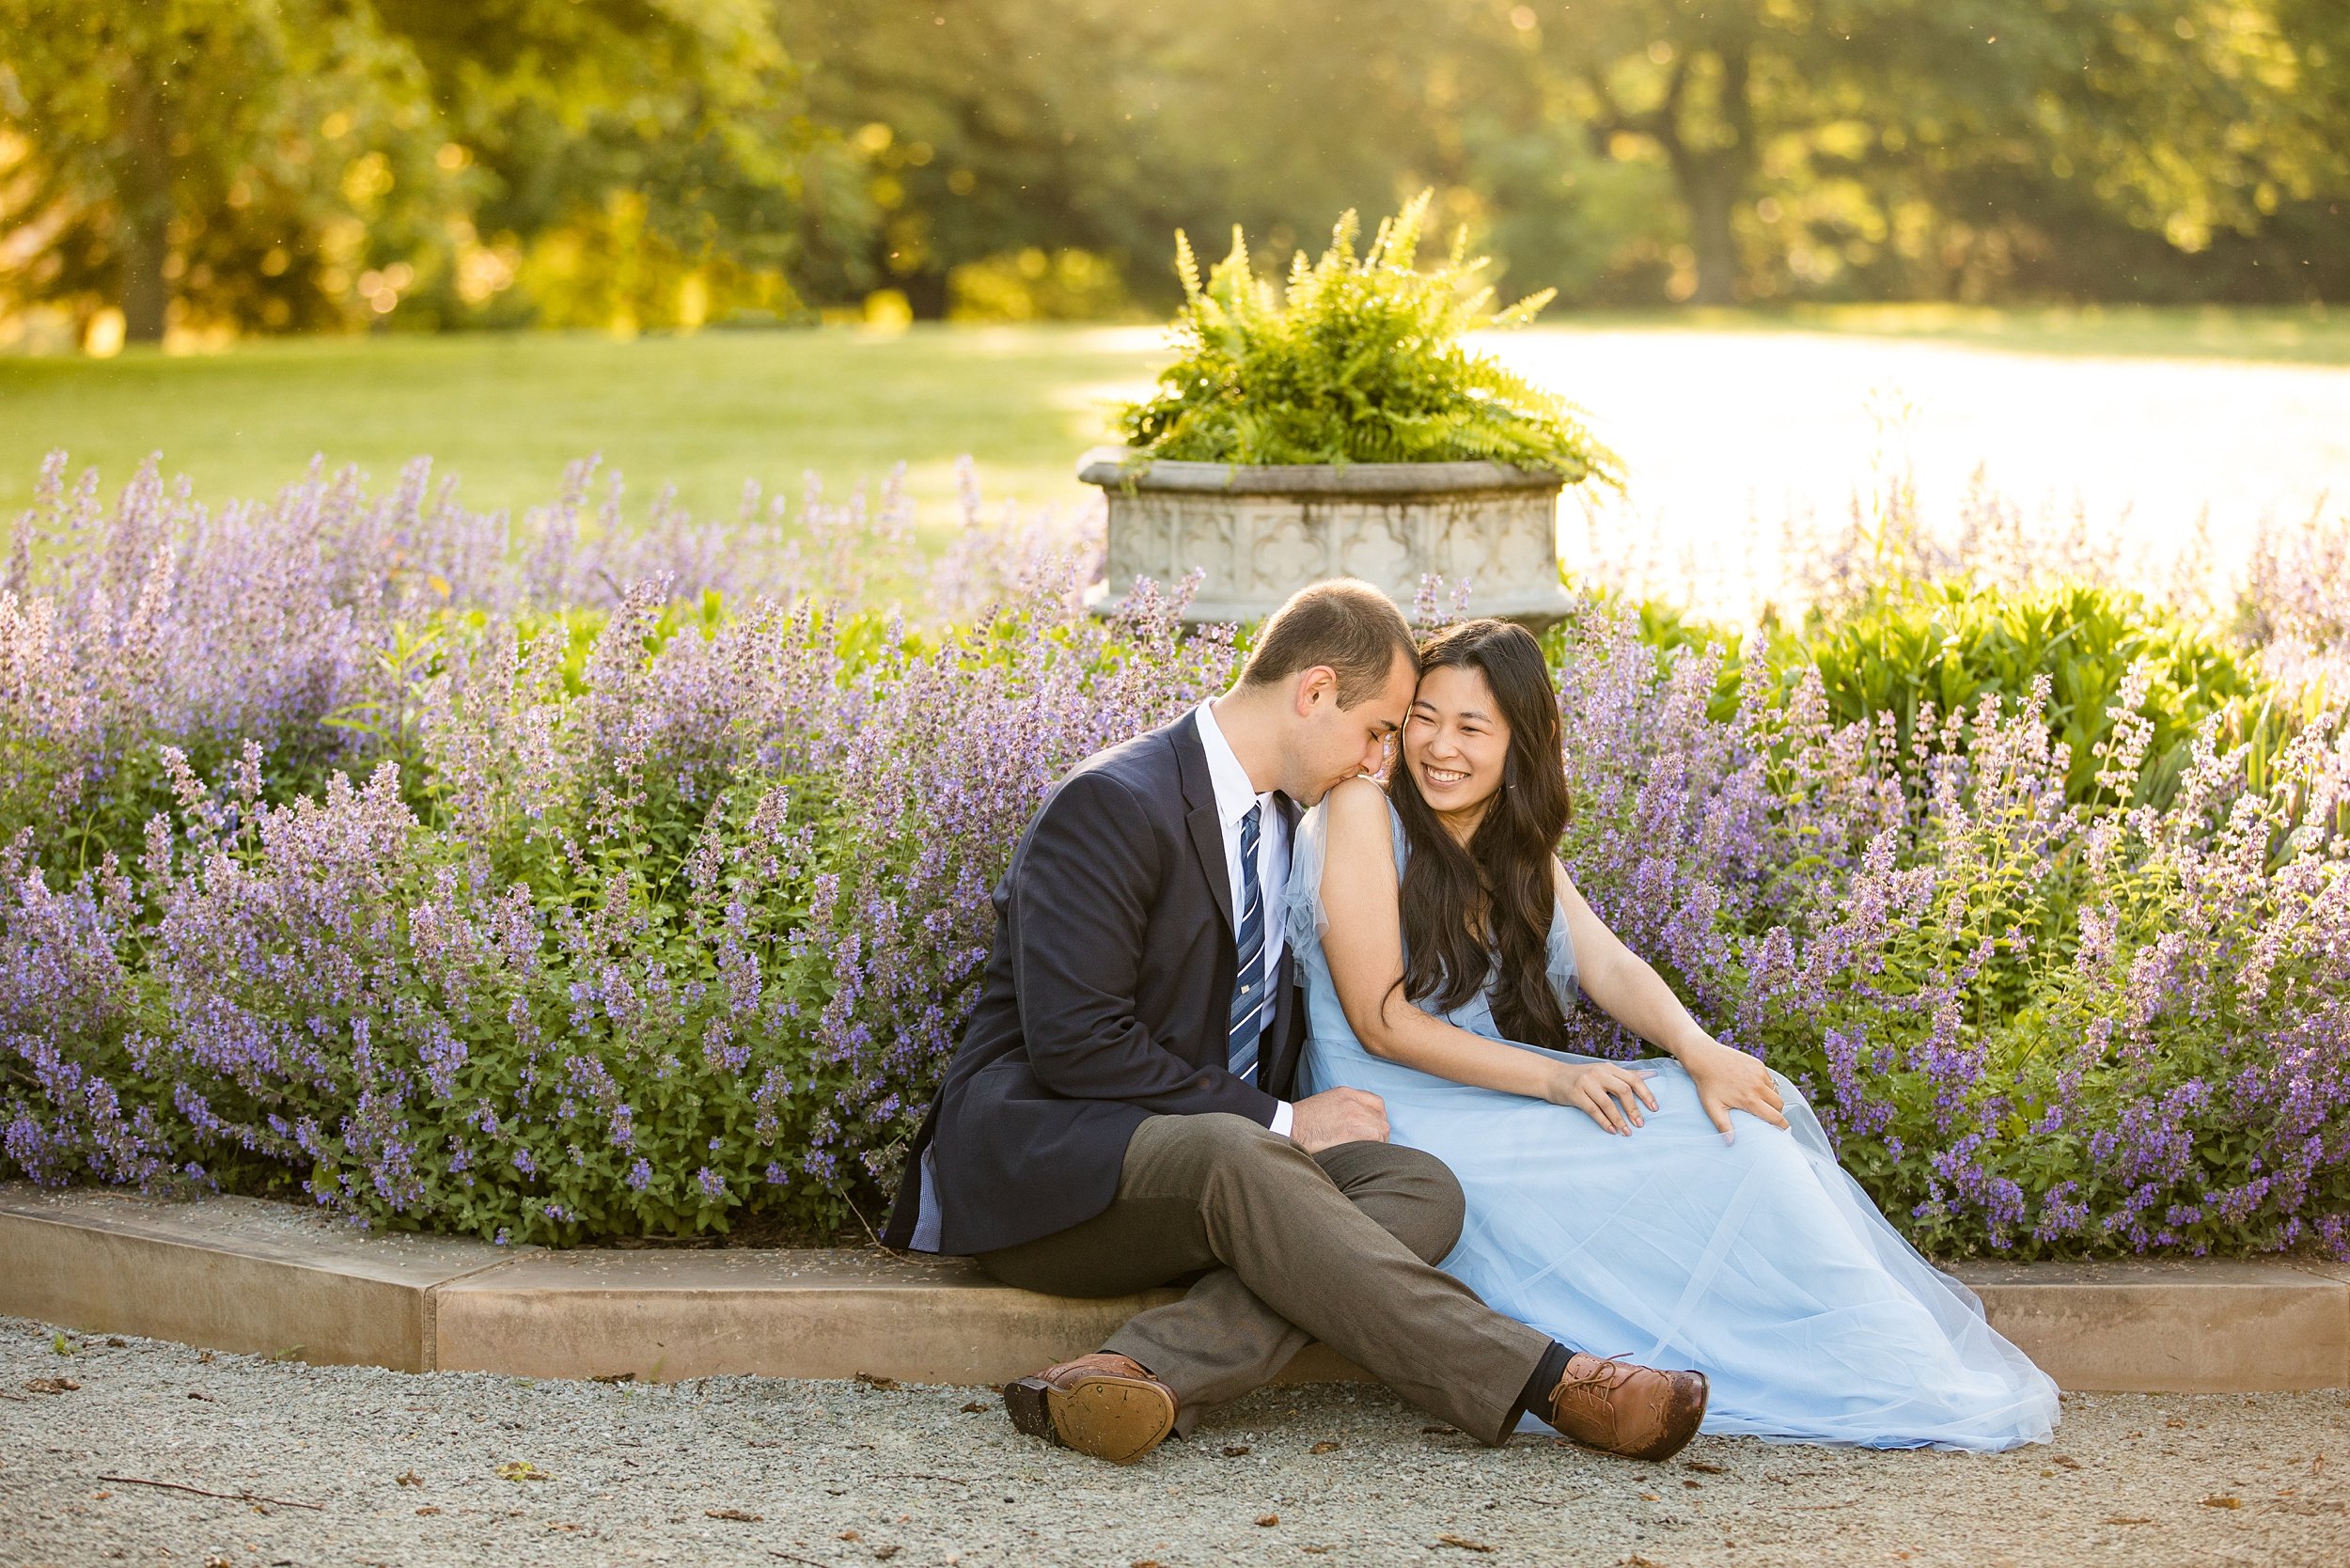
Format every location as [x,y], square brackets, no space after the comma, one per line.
[225,1497]
[794,1557]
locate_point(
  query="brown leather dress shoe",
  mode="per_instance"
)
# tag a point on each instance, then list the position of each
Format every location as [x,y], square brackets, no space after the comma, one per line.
[1103,1404]
[1638,1412]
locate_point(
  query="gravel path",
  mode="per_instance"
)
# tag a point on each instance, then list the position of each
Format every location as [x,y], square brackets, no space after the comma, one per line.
[463,1468]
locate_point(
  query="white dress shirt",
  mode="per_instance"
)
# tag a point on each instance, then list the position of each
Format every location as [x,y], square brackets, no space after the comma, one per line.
[1234,795]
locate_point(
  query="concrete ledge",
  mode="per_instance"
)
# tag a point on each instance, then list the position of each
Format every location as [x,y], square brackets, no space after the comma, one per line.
[2219,1326]
[237,1274]
[228,1274]
[1117,467]
[666,1314]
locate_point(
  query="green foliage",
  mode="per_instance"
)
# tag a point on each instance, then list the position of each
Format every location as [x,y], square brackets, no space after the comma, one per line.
[608,1120]
[1027,284]
[1664,627]
[291,166]
[242,165]
[2034,1025]
[2130,1019]
[2168,142]
[1917,655]
[1924,652]
[1622,151]
[662,918]
[240,159]
[1360,360]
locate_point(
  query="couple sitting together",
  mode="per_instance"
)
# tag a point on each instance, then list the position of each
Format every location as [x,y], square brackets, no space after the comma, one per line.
[1314,1068]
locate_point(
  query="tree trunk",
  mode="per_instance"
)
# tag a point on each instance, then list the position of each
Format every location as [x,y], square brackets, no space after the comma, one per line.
[1710,198]
[925,292]
[1713,177]
[143,196]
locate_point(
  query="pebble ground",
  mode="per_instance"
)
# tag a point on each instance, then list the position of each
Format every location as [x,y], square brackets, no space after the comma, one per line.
[334,1465]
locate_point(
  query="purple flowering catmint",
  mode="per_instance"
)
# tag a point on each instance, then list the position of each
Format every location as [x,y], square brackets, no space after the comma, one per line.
[367,841]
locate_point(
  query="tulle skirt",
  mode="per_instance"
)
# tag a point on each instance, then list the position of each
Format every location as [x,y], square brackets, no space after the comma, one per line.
[1760,1263]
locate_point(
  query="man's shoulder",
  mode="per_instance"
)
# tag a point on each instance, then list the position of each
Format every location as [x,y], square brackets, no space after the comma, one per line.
[1130,795]
[1147,767]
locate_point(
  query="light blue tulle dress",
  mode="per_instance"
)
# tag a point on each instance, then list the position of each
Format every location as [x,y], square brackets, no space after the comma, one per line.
[1760,1263]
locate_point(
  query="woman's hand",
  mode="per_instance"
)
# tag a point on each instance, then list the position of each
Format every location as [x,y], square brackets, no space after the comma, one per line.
[1609,1092]
[1731,1080]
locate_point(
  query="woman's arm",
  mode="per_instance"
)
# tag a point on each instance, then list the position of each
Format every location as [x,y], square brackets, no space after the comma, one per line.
[1635,996]
[1365,947]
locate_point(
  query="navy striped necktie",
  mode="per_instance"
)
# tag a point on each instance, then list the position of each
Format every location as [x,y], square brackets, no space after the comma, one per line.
[1251,995]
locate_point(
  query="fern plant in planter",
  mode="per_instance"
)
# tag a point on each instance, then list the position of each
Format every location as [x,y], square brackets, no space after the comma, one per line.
[1359,359]
[1340,426]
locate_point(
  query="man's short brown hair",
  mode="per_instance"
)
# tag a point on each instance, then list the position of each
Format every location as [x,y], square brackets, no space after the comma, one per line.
[1344,623]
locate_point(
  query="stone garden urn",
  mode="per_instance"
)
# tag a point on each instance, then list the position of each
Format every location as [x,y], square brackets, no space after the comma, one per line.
[1257,535]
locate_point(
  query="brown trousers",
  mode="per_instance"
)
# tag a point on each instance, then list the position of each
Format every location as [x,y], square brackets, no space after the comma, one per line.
[1338,1247]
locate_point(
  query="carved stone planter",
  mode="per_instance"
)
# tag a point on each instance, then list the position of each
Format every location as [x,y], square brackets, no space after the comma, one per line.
[1258,535]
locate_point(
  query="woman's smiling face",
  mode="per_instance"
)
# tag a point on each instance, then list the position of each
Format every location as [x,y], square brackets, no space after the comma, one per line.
[1456,741]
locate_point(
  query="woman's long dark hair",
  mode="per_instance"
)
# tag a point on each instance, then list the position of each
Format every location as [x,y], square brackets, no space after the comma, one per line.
[1500,887]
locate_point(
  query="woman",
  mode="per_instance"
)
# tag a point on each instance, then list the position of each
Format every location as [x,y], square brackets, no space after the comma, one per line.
[1685,1212]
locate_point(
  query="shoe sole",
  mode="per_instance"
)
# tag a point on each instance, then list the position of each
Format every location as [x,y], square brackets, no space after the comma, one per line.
[1116,1419]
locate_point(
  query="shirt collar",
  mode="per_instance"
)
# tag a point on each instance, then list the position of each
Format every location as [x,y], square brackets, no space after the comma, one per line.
[1234,794]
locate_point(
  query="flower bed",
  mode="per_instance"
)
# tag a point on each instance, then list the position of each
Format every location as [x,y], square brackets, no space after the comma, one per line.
[520,882]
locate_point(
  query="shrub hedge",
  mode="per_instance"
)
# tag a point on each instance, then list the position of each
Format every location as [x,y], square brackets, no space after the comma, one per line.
[548,882]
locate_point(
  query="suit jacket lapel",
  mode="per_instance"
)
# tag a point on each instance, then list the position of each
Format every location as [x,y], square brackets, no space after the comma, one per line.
[1206,824]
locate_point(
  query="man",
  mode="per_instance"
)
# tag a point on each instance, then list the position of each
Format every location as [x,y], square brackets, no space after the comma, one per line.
[1119,1114]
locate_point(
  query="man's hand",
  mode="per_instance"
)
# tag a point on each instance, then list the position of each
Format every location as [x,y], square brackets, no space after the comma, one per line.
[1338,1116]
[1731,1080]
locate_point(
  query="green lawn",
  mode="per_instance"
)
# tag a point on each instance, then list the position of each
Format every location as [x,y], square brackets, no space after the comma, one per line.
[505,412]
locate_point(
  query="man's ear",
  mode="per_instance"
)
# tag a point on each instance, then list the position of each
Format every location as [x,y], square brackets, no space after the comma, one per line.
[1313,685]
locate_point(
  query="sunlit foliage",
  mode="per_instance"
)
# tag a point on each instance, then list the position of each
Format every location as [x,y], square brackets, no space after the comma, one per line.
[1359,359]
[217,166]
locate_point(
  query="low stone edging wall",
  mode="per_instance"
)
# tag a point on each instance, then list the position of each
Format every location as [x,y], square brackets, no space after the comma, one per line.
[243,1275]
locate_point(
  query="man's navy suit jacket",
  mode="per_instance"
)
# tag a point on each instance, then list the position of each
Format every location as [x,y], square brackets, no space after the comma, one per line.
[1106,1001]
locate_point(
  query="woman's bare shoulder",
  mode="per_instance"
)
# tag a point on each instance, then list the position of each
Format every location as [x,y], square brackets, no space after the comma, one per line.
[1354,803]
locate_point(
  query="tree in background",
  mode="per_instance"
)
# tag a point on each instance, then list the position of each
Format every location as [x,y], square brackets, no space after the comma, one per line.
[236,155]
[979,130]
[293,165]
[1719,150]
[1935,148]
[639,162]
[299,165]
[1008,136]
